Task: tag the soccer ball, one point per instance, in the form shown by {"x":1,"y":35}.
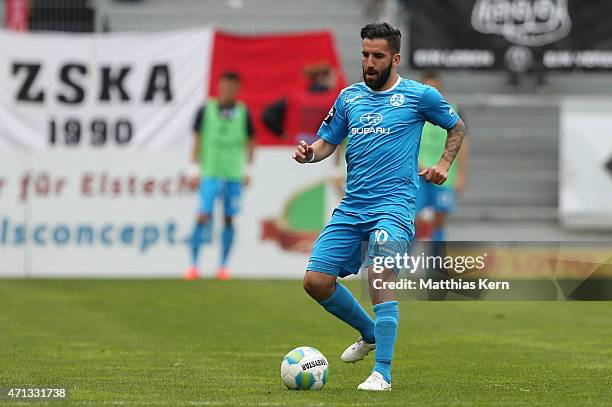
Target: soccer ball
{"x":304,"y":368}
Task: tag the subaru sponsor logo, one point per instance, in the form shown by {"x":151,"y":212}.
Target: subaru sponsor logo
{"x":371,"y":119}
{"x":371,"y":130}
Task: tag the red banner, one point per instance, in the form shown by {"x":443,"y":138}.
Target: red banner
{"x":272,"y":67}
{"x":304,"y":113}
{"x":17,"y":15}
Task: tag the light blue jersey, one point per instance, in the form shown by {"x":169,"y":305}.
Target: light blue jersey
{"x":384,"y":134}
{"x":384,"y":131}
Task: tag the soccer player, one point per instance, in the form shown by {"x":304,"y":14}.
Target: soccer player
{"x":440,"y":198}
{"x":223,"y":143}
{"x":383,"y":118}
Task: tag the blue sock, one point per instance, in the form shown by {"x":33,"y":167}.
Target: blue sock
{"x":438,"y":235}
{"x":201,"y":234}
{"x":227,"y":239}
{"x":343,"y":305}
{"x":206,"y":235}
{"x":196,"y":242}
{"x":385,"y":329}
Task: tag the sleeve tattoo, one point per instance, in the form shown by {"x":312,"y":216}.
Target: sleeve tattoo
{"x":454,"y":138}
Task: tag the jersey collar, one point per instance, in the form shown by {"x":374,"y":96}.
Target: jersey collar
{"x":395,"y":85}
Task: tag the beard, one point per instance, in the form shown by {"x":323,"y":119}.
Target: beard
{"x":381,"y":79}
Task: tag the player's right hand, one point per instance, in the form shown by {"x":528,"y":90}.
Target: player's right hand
{"x":303,"y":152}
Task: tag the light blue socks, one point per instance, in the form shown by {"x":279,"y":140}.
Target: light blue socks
{"x":201,"y":234}
{"x":227,"y":240}
{"x":385,"y":330}
{"x":343,"y":305}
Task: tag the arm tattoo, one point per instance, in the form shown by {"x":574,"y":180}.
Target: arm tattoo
{"x":454,"y":139}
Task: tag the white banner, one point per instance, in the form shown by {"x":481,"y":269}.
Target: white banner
{"x":95,"y":132}
{"x":131,"y":214}
{"x":586,"y":163}
{"x":131,"y":91}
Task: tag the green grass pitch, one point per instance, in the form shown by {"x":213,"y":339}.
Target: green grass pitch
{"x":211,"y":343}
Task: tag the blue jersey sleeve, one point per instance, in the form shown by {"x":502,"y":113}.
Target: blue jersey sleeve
{"x":436,"y":110}
{"x":334,"y":126}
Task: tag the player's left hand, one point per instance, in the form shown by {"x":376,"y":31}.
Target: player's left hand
{"x":436,"y":174}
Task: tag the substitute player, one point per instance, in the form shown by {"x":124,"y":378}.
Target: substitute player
{"x":383,"y":118}
{"x":440,"y":198}
{"x":223,"y":143}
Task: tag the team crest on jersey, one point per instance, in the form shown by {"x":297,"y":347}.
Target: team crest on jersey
{"x":330,"y":115}
{"x":451,"y":111}
{"x":397,"y":99}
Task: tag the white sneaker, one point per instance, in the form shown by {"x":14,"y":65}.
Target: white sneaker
{"x":357,"y":351}
{"x":376,"y":382}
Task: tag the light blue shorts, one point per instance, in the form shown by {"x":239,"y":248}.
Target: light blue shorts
{"x":229,"y":191}
{"x":351,"y":241}
{"x":437,"y":197}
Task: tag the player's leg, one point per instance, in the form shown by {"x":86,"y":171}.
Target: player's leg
{"x":387,"y":239}
{"x":423,"y":202}
{"x":385,"y":329}
{"x":227,"y":240}
{"x":199,"y":236}
{"x":340,"y":302}
{"x":443,"y":202}
{"x":336,"y":251}
{"x":439,"y":227}
{"x":320,"y":286}
{"x":202,"y":230}
{"x":232,"y":191}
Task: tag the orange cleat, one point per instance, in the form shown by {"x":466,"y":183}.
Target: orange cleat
{"x":223,"y":273}
{"x":192,"y":273}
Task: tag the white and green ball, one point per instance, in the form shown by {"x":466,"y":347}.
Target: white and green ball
{"x":304,"y":368}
